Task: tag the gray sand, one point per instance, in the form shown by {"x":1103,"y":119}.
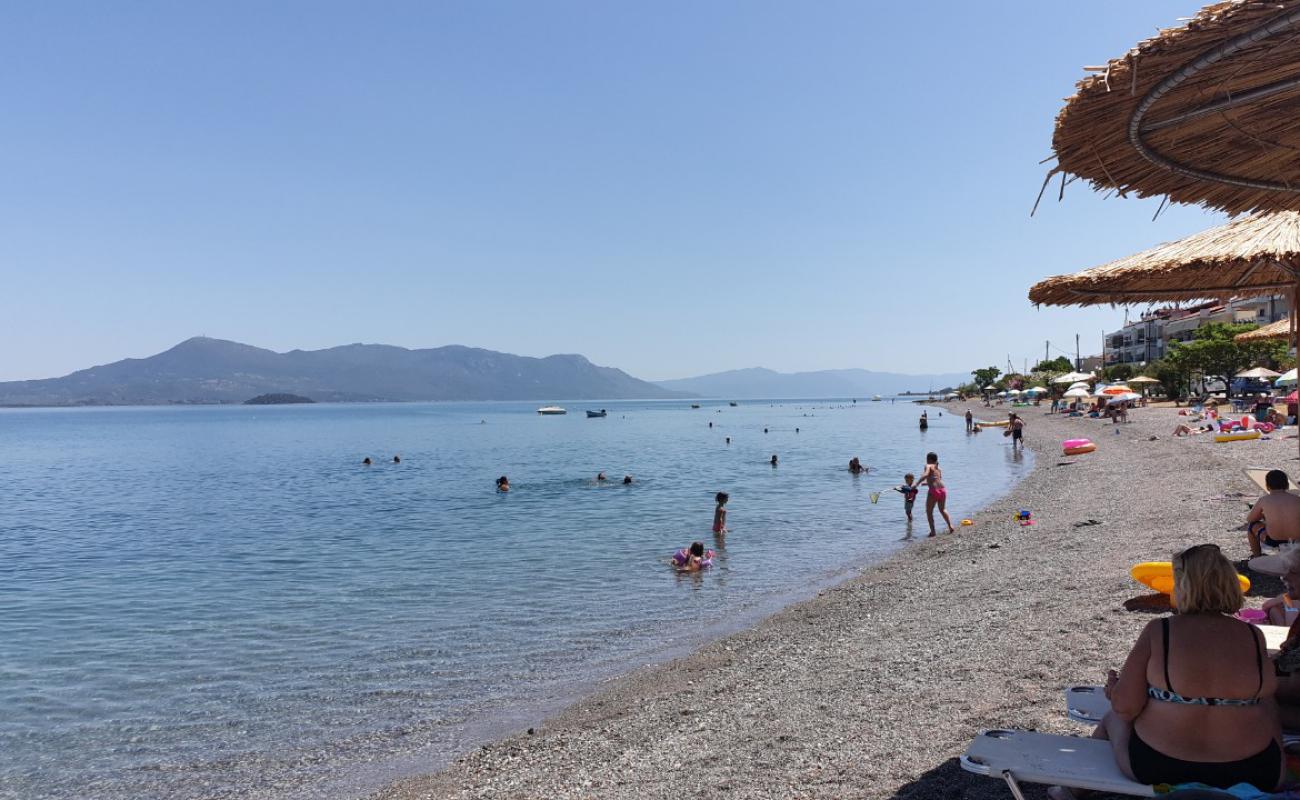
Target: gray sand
{"x":873,"y":687}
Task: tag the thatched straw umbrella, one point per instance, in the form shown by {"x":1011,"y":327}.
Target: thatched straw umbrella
{"x":1204,"y":113}
{"x":1277,"y":330}
{"x":1251,"y":256}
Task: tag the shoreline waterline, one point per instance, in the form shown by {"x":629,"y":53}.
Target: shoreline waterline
{"x":874,"y":686}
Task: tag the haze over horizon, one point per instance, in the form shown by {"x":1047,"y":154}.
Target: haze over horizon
{"x":672,"y":190}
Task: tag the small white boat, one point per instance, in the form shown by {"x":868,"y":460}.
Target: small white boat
{"x":875,"y":398}
{"x":550,"y":410}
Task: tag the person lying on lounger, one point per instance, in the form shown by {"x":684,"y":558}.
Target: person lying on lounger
{"x":1194,"y":700}
{"x":1275,"y":517}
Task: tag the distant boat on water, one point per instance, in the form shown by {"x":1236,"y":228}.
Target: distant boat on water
{"x":695,"y":405}
{"x":733,"y":404}
{"x":875,"y":398}
{"x":596,"y":414}
{"x":551,"y":410}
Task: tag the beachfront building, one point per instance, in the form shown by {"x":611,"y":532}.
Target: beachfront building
{"x":1146,"y":339}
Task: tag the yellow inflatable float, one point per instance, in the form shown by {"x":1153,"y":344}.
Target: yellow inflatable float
{"x":1237,"y":437}
{"x":1159,"y":575}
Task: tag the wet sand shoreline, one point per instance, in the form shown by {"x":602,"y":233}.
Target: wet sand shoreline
{"x":873,"y":687}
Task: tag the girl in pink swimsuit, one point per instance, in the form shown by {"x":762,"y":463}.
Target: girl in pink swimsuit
{"x":936,"y":494}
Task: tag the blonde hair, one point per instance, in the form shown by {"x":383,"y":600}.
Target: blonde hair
{"x":1205,"y":582}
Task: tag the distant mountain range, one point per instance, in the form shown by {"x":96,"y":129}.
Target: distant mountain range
{"x":758,"y":382}
{"x":203,"y":370}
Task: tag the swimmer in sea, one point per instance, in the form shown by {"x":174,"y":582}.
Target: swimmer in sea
{"x":728,"y":440}
{"x":691,"y":559}
{"x":600,"y":477}
{"x":503,"y":484}
{"x":397,"y":459}
{"x":720,"y":514}
{"x":627,"y":479}
{"x":366,"y":461}
{"x":773,"y":461}
{"x":936,"y":493}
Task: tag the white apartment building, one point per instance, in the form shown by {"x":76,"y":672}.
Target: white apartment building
{"x":1146,"y":339}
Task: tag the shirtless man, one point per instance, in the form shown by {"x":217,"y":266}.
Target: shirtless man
{"x":1275,"y":518}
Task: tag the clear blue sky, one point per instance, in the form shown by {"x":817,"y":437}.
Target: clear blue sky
{"x":671,"y":187}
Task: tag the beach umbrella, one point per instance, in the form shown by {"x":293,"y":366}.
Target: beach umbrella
{"x":1079,"y":385}
{"x":1142,"y":379}
{"x":1258,"y":372}
{"x":1115,"y":390}
{"x":1277,"y":330}
{"x":1038,"y":390}
{"x":1014,"y":392}
{"x":1203,"y":113}
{"x":1002,"y":394}
{"x":1127,"y":397}
{"x":1286,"y":379}
{"x":1074,"y":377}
{"x":1072,"y":393}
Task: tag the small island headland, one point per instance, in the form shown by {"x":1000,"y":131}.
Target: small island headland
{"x":277,"y":399}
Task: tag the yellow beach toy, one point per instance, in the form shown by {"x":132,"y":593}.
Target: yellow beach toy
{"x":1159,"y":575}
{"x":1242,"y":436}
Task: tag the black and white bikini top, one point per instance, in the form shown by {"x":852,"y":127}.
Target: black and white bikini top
{"x":1168,"y":695}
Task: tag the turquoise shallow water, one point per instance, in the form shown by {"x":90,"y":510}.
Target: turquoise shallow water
{"x":202,"y":602}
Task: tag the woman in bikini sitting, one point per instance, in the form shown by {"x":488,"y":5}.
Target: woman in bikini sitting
{"x":1194,"y":700}
{"x":936,"y":494}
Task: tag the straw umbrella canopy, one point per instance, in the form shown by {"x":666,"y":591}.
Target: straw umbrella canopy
{"x":1203,"y":113}
{"x":1277,"y":330}
{"x":1250,"y":256}
{"x":1258,"y":372}
{"x":1142,"y":379}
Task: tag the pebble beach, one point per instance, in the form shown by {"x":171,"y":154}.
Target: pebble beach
{"x":874,"y":687}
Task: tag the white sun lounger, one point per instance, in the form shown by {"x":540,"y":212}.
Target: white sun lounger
{"x":1256,"y":475}
{"x":1087,"y":704}
{"x":1078,"y":763}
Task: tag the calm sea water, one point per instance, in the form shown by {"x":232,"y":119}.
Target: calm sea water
{"x":203,"y":602}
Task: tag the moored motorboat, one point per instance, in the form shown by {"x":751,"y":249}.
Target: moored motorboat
{"x":695,"y":405}
{"x":733,"y":404}
{"x":551,"y":410}
{"x":596,"y":414}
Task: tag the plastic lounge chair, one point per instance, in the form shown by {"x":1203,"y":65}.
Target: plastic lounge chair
{"x":1086,"y":704}
{"x":1071,"y":761}
{"x":1256,"y":475}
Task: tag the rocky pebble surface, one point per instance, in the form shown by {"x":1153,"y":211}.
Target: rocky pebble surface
{"x":872,"y":688}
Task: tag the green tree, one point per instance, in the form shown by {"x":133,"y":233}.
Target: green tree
{"x":1118,"y":372}
{"x":1215,"y":354}
{"x":986,"y":376}
{"x":1058,"y":364}
{"x":1173,"y":371}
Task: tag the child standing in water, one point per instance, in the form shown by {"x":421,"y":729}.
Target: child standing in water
{"x":720,"y":514}
{"x":909,"y":491}
{"x":936,"y":493}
